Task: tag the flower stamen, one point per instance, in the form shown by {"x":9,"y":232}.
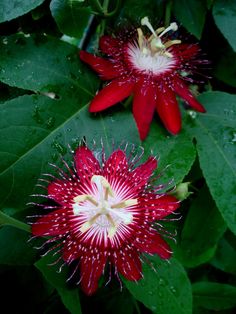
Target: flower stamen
{"x":85,"y":197}
{"x":154,"y":41}
{"x":130,"y":202}
{"x":105,"y":205}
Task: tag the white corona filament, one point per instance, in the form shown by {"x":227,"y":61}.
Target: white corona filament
{"x":103,"y":206}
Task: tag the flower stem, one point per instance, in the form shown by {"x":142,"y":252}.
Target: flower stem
{"x":95,"y":4}
{"x":105,"y":6}
{"x":168,"y":12}
{"x":103,"y":9}
{"x":7,"y":220}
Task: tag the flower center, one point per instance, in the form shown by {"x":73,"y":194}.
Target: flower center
{"x":154,"y":44}
{"x":103,"y":210}
{"x":152,"y":54}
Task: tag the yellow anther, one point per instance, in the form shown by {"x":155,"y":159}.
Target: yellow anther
{"x":85,"y":197}
{"x":159,"y":30}
{"x":123,"y":204}
{"x":169,"y":43}
{"x":85,"y":227}
{"x":140,"y":37}
{"x":168,"y":54}
{"x":111,"y":232}
{"x":89,"y":223}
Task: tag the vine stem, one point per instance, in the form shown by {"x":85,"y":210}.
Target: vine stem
{"x":7,"y":220}
{"x":105,"y":6}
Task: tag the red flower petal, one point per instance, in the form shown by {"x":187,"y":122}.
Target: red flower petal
{"x":91,"y":269}
{"x":111,"y":94}
{"x":168,"y":110}
{"x":160,"y":207}
{"x":116,"y":166}
{"x":142,"y":173}
{"x":153,"y":244}
{"x":186,"y":51}
{"x":104,"y":68}
{"x":71,"y":250}
{"x":182,"y":90}
{"x":108,"y":45}
{"x":51,"y":224}
{"x":143,"y":107}
{"x":58,"y":189}
{"x":129,"y":265}
{"x":86,"y":164}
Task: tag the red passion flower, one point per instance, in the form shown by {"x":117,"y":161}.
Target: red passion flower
{"x":105,"y":214}
{"x":153,"y":69}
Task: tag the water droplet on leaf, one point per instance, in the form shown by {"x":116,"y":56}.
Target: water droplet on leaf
{"x":50,"y":122}
{"x":192,"y":114}
{"x":36,"y":115}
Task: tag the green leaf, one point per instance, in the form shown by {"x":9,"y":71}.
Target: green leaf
{"x":71,"y":16}
{"x":214,"y":296}
{"x":167,"y":290}
{"x":225,"y":68}
{"x":14,"y":8}
{"x":216,"y":145}
{"x":203,"y":227}
{"x":225,"y":257}
{"x":117,"y":302}
{"x":224,"y":12}
{"x":36,"y":129}
{"x":176,"y":153}
{"x":15,"y":248}
{"x":135,"y":10}
{"x":69,"y":297}
{"x":192,"y":14}
{"x":44,"y":64}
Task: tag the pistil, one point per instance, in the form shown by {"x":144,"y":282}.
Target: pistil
{"x":154,"y":44}
{"x":104,"y":206}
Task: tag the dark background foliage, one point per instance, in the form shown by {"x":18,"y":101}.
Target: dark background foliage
{"x":44,"y":95}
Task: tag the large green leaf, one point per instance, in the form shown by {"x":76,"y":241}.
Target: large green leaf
{"x":15,"y":248}
{"x":135,"y":10}
{"x":167,"y":290}
{"x":225,"y":257}
{"x":191,"y":13}
{"x":216,"y":145}
{"x":214,"y":296}
{"x":224,"y":12}
{"x":69,"y":297}
{"x":71,"y":16}
{"x":14,"y":8}
{"x":35,"y":129}
{"x":40,"y":63}
{"x":176,"y":153}
{"x":225,"y":68}
{"x":203,"y":227}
